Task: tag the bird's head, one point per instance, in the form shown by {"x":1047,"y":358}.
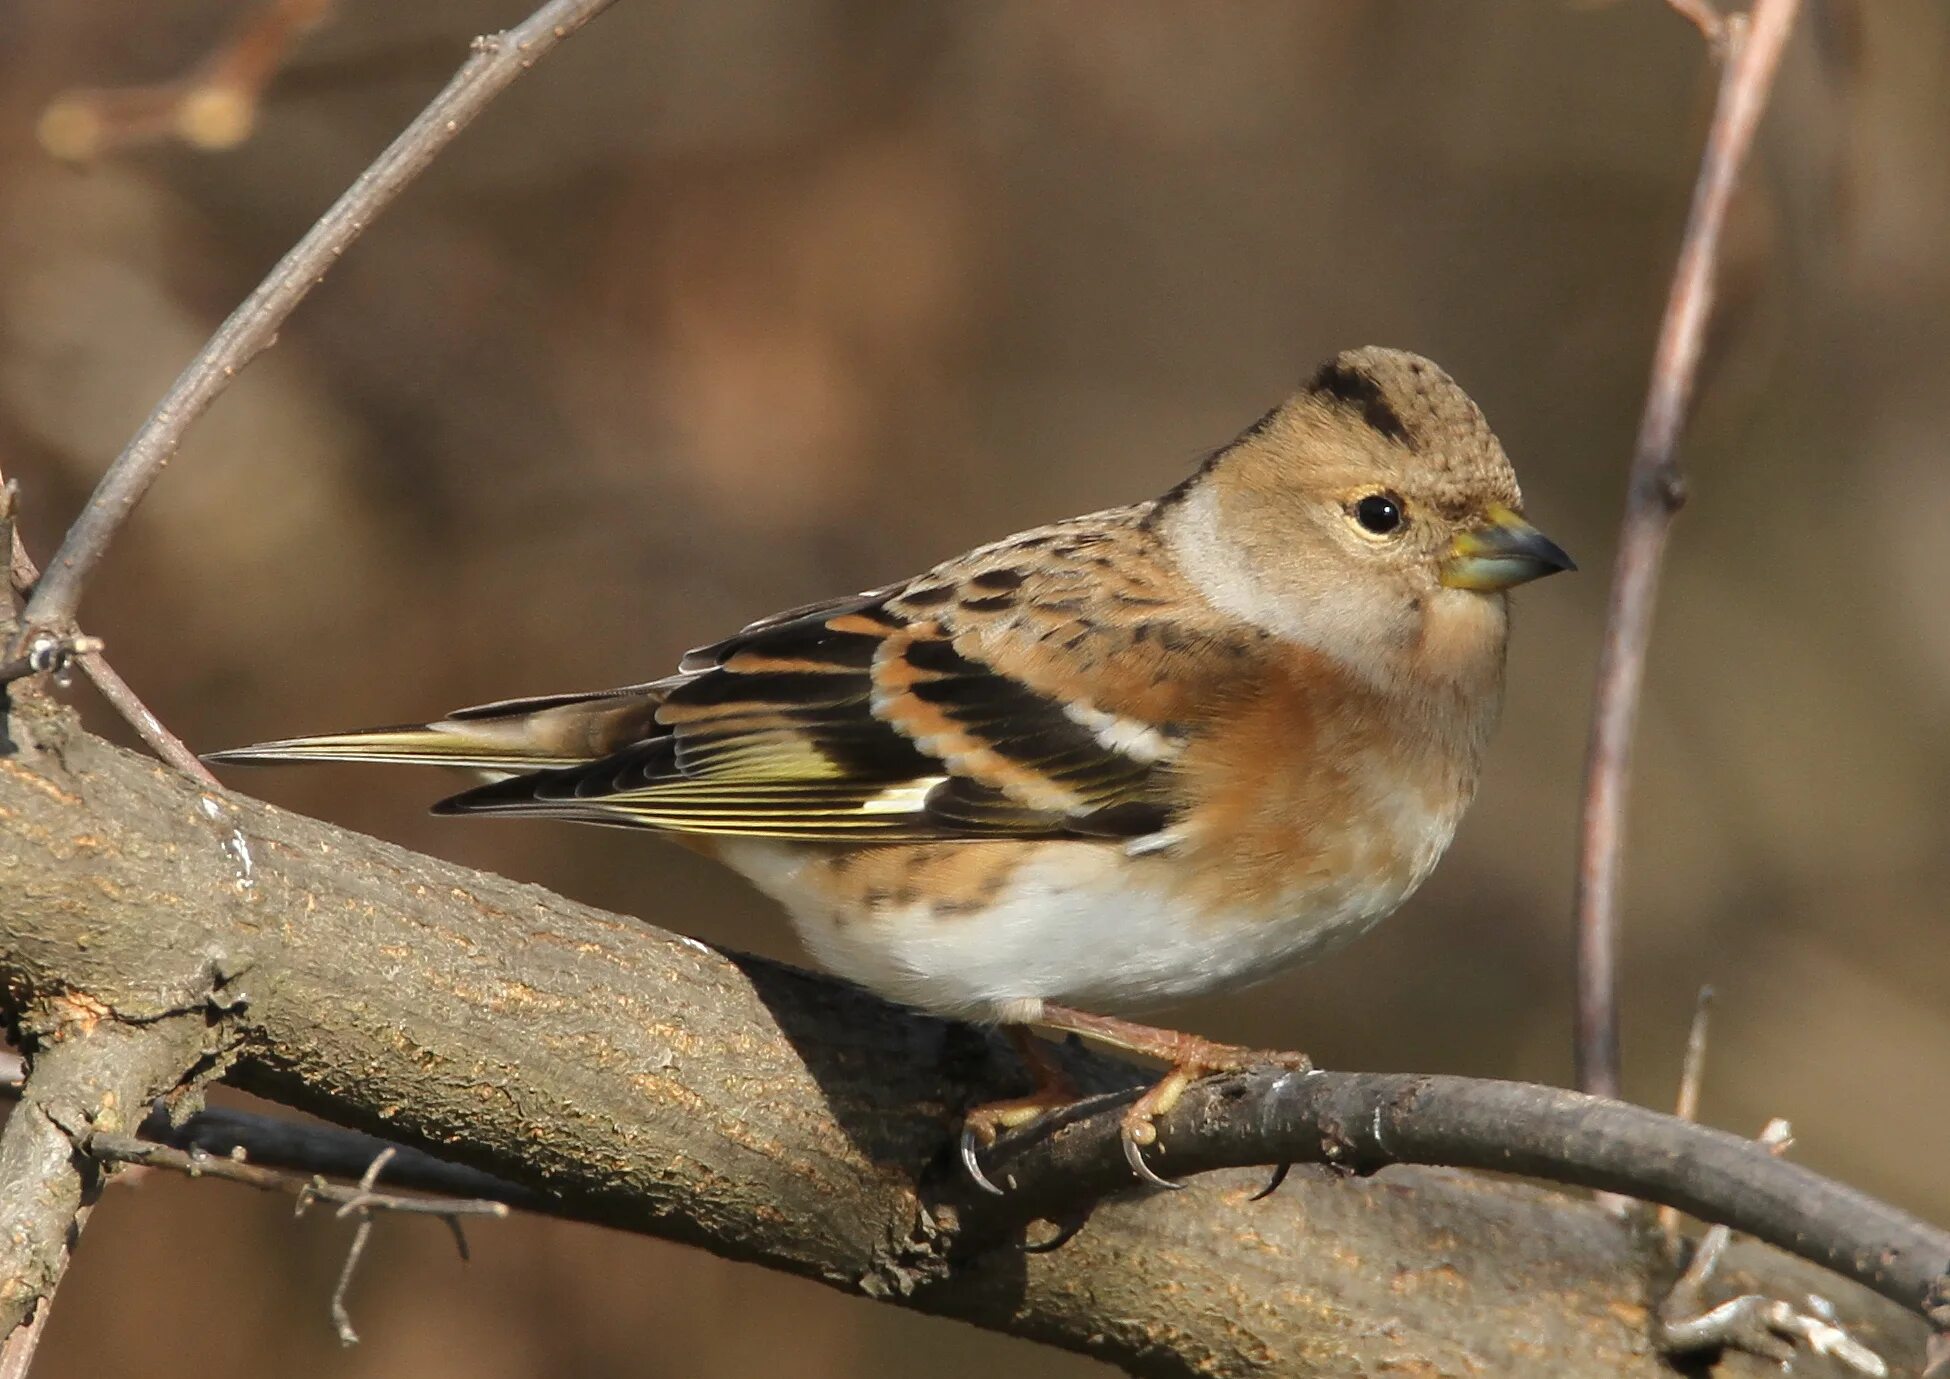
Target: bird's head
{"x":1372,"y":516}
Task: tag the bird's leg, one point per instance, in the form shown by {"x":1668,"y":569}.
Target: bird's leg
{"x":1053,"y":1088}
{"x":1188,"y":1057}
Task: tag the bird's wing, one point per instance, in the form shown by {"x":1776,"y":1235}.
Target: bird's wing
{"x":1036,"y":687}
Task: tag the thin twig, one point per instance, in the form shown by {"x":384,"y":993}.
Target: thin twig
{"x":362,"y":1199}
{"x":312,"y":1149}
{"x":1692,"y":1075}
{"x":214,"y":106}
{"x":1760,"y":1325}
{"x":341,"y":1318}
{"x":142,"y":718}
{"x":1654,"y":493}
{"x":47,"y":654}
{"x":196,"y":1163}
{"x":23,"y":575}
{"x":1702,"y":15}
{"x":496,"y":62}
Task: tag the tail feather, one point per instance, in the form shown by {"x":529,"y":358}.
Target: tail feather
{"x":430,"y":744}
{"x":516,"y":735}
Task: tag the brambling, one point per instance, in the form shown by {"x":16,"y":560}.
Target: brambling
{"x":1098,"y":766}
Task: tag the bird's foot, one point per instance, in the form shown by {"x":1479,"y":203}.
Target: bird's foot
{"x":982,"y":1124}
{"x":1190,"y":1058}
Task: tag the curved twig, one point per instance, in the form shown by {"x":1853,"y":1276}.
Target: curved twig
{"x":253,"y":327}
{"x":1362,"y":1122}
{"x":1751,"y":46}
{"x":1358,"y":1122}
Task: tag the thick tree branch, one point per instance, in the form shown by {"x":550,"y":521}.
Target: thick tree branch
{"x":1750,"y":47}
{"x":252,"y":328}
{"x":646,"y":1082}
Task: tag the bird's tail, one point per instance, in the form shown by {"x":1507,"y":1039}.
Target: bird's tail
{"x":515,"y":735}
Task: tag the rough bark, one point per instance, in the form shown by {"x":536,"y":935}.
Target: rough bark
{"x":649,"y":1083}
{"x":92,"y":1072}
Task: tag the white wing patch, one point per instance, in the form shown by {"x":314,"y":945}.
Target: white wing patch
{"x":906,"y":798}
{"x":1129,"y":737}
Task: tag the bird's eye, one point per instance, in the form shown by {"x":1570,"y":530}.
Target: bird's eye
{"x":1379,"y":513}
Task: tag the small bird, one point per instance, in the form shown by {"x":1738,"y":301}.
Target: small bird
{"x":1098,"y":766}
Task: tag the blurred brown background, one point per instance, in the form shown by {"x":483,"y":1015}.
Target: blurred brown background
{"x":737,"y":303}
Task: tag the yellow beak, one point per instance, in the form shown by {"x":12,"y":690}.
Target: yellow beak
{"x":1506,"y":552}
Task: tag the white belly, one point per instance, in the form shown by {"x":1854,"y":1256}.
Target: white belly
{"x":1083,"y":925}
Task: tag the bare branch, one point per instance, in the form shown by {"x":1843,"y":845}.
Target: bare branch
{"x":362,"y":1200}
{"x":213,"y":107}
{"x":47,"y":654}
{"x":1692,"y":1076}
{"x":1753,"y":1322}
{"x":496,"y":62}
{"x":1655,"y":491}
{"x":198,"y":1163}
{"x":152,"y":730}
{"x":90,"y":1071}
{"x":22,"y":575}
{"x":1692,"y":1072}
{"x":1362,"y":1122}
{"x":1704,"y":16}
{"x":331,"y":1151}
{"x":644,"y":1081}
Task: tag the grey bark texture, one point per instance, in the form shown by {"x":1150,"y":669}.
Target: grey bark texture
{"x":649,"y":1083}
{"x":93,"y":1071}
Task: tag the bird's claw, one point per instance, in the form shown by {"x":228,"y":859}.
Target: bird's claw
{"x":971,"y":1162}
{"x":1135,"y":1136}
{"x":1272,"y":1184}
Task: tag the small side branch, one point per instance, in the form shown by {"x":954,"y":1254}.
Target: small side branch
{"x":197,"y":1163}
{"x":92,"y":1074}
{"x":496,"y":62}
{"x":1704,"y":16}
{"x":46,"y":652}
{"x":312,"y":1150}
{"x":1752,"y":46}
{"x":212,"y":107}
{"x":361,"y":1200}
{"x":1760,"y":1325}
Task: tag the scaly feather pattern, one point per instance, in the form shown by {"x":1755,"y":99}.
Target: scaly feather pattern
{"x":946,"y":707}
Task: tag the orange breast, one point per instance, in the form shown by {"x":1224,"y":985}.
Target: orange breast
{"x":1311,"y":780}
